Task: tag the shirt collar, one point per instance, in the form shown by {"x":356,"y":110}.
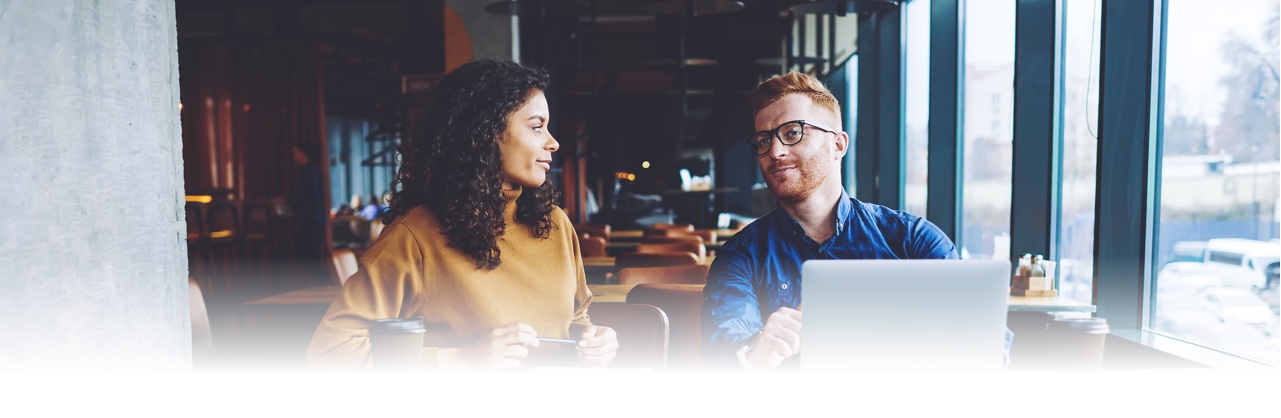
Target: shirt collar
{"x":844,"y":207}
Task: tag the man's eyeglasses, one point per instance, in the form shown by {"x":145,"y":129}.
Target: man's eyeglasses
{"x":789,"y":133}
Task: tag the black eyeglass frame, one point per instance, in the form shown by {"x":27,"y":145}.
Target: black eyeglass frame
{"x":774,"y":135}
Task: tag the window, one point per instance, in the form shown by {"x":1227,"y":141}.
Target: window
{"x":355,"y":166}
{"x":1079,"y":150}
{"x":989,"y":123}
{"x":917,"y":105}
{"x":1221,"y":157}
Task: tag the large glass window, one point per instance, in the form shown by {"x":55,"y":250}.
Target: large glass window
{"x":1218,"y":248}
{"x":356,"y":167}
{"x":989,"y":128}
{"x":1079,"y":152}
{"x":917,"y":106}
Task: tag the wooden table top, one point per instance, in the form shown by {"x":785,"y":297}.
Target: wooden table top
{"x":637,"y":234}
{"x":608,"y":262}
{"x":617,"y":293}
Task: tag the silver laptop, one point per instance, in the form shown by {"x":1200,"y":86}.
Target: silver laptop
{"x":926,"y":315}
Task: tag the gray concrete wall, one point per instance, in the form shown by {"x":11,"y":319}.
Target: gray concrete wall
{"x":92,"y":254}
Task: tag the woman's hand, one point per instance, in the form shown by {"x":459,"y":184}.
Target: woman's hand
{"x":503,"y":348}
{"x":598,"y":346}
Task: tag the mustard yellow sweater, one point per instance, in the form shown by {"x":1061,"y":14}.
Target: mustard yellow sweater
{"x":411,"y":270}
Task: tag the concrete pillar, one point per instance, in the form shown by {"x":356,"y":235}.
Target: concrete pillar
{"x":93,"y":261}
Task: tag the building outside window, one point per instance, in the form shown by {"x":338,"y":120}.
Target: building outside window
{"x":989,"y":128}
{"x":1217,"y":253}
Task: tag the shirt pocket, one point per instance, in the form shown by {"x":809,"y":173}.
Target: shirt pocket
{"x":780,"y":294}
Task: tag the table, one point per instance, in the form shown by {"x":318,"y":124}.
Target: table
{"x":623,"y":247}
{"x":635,"y":235}
{"x":598,"y":269}
{"x":617,"y":293}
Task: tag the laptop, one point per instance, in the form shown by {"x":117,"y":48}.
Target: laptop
{"x":924,"y":315}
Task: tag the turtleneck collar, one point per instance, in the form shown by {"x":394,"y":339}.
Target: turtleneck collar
{"x":509,"y":212}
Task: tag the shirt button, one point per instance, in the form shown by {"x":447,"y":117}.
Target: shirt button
{"x":784,"y":286}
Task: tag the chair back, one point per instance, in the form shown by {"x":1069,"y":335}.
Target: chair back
{"x":345,"y":265}
{"x":696,"y":274}
{"x":708,"y":235}
{"x":223,"y":221}
{"x":683,"y":304}
{"x":595,"y":230}
{"x":375,"y":230}
{"x":196,"y":231}
{"x":673,"y":226}
{"x":201,"y":332}
{"x":592,"y":246}
{"x":642,"y":333}
{"x":627,"y":260}
{"x":689,"y":246}
{"x":360,"y":230}
{"x":651,"y":232}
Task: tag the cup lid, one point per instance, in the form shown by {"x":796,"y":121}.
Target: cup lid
{"x":1083,"y":324}
{"x":397,"y":325}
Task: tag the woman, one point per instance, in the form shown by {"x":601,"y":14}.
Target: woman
{"x":475,"y":244}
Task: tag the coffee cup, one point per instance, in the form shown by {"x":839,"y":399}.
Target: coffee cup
{"x":1077,"y":343}
{"x":397,"y":343}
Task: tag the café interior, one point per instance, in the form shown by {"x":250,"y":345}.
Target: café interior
{"x":1054,"y":129}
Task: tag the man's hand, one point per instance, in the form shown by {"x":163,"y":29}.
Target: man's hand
{"x":505,"y":347}
{"x":779,"y":339}
{"x":598,"y":346}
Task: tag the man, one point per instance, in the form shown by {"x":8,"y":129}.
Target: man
{"x":751,"y":305}
{"x":307,"y":204}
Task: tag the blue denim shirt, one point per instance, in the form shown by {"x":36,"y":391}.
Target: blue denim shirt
{"x":759,"y":269}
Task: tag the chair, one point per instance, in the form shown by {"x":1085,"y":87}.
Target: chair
{"x":708,"y":235}
{"x":642,"y":333}
{"x":375,"y":230}
{"x":592,"y":246}
{"x":595,"y":230}
{"x":696,"y":274}
{"x":201,"y":333}
{"x":360,"y":231}
{"x":197,"y":233}
{"x":341,"y":232}
{"x":627,"y":260}
{"x":689,"y":246}
{"x":222,"y":221}
{"x":683,"y":304}
{"x":258,"y":225}
{"x":651,"y":232}
{"x":673,"y":226}
{"x":345,"y":265}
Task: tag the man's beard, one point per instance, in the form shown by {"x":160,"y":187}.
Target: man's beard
{"x":811,"y":174}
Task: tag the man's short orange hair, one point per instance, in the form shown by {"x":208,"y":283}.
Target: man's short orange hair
{"x":770,"y":91}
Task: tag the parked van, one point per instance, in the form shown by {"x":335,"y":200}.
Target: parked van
{"x":1242,"y":263}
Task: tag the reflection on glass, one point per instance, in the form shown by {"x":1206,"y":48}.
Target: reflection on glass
{"x":917,"y":106}
{"x":1218,"y":252}
{"x":1080,"y":148}
{"x":989,"y":124}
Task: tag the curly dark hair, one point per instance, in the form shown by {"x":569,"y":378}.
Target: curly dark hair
{"x":453,"y":165}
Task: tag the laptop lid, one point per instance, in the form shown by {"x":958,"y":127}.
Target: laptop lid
{"x":926,"y":315}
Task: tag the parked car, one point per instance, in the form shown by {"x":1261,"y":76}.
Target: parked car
{"x":1184,"y":279}
{"x":1232,"y":305}
{"x":1241,"y":263}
